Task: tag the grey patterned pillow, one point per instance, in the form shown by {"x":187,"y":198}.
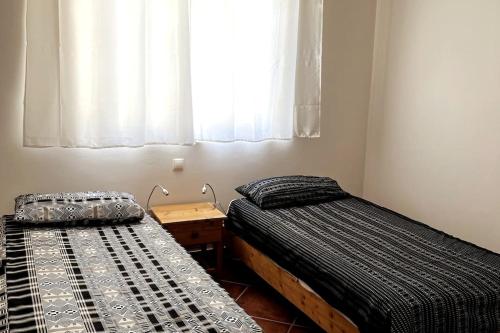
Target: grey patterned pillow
{"x":287,"y":191}
{"x":78,"y":207}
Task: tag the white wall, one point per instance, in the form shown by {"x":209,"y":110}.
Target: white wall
{"x":339,"y":153}
{"x":433,"y":144}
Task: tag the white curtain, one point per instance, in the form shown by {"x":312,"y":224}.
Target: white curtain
{"x":134,"y":72}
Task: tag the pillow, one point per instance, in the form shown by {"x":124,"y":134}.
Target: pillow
{"x":81,"y":207}
{"x":287,"y":191}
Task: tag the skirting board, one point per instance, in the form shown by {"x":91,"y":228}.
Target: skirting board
{"x":326,"y":316}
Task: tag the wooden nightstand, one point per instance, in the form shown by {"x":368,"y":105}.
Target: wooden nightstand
{"x":193,"y":224}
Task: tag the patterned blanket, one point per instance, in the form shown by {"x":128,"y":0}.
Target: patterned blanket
{"x":114,"y":278}
{"x":385,"y":271}
{"x":3,"y":295}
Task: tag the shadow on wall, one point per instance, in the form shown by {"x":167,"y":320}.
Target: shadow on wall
{"x":12,"y":32}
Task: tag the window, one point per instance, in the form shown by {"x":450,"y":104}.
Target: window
{"x":134,"y":72}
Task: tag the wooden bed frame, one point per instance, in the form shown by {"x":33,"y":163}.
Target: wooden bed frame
{"x":326,"y":316}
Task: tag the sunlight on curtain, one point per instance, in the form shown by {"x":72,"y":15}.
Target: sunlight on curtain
{"x":129,"y":72}
{"x":123,"y":75}
{"x":243,"y":65}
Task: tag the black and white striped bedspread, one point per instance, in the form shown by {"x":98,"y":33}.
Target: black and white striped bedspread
{"x":114,"y":278}
{"x":385,"y":271}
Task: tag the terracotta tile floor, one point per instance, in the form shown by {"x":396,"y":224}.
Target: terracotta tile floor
{"x":267,"y":307}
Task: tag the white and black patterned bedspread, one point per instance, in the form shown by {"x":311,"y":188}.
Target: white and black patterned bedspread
{"x":113,"y":278}
{"x":3,"y":295}
{"x":385,"y":271}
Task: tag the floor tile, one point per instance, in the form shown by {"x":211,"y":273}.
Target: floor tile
{"x":233,"y":269}
{"x":233,"y":289}
{"x":236,"y":271}
{"x":303,"y":320}
{"x":264,"y":302}
{"x":305,"y":324}
{"x":299,"y":329}
{"x":272,"y":326}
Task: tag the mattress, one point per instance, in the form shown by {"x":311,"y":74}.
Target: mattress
{"x":385,"y":271}
{"x":110,"y":278}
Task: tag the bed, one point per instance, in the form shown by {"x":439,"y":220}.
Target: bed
{"x":123,"y":277}
{"x":353,"y":266}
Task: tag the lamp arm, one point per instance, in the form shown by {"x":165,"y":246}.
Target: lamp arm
{"x":213,"y":193}
{"x":164,"y":190}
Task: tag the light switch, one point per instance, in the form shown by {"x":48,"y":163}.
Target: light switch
{"x":178,"y":164}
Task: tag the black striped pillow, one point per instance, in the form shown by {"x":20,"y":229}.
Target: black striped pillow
{"x":288,"y":191}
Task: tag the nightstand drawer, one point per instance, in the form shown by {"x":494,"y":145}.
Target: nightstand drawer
{"x":191,"y":233}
